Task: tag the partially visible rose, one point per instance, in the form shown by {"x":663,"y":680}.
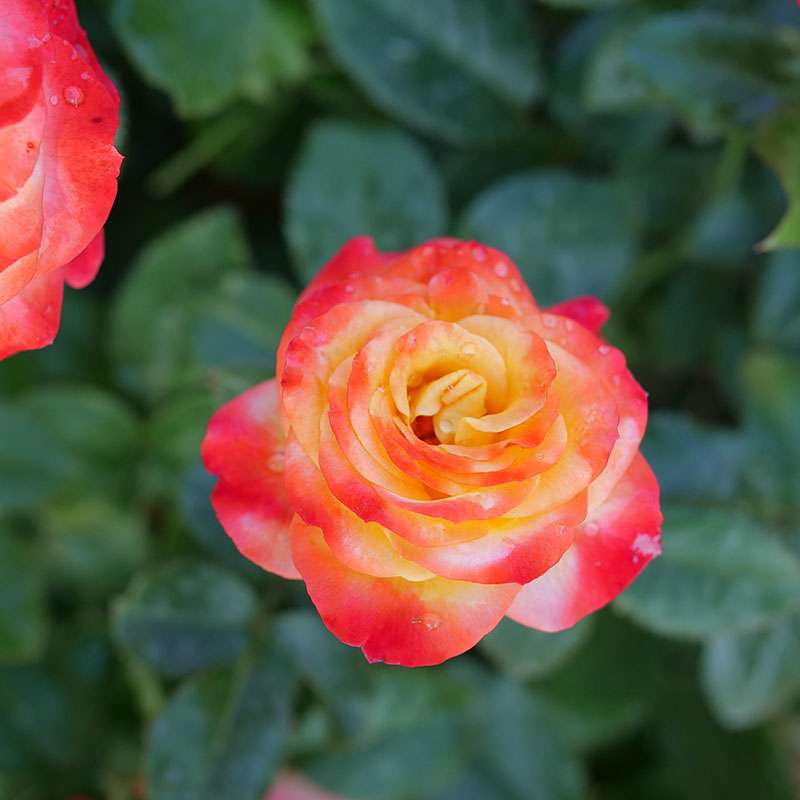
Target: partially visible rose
{"x":437,"y":452}
{"x":292,"y":786}
{"x":58,"y":166}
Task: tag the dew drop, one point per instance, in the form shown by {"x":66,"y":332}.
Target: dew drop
{"x":468,"y":349}
{"x":501,"y":269}
{"x":446,"y":426}
{"x":73,"y":96}
{"x":276,"y":462}
{"x":604,"y":349}
{"x":85,"y":76}
{"x":47,"y":37}
{"x":479,"y":254}
{"x":53,"y":100}
{"x":591,"y":528}
{"x":486,"y":502}
{"x":570,"y":325}
{"x":617,"y":380}
{"x":430,"y":621}
{"x":515,"y":285}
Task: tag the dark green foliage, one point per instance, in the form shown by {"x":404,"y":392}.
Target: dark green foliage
{"x":644,"y":151}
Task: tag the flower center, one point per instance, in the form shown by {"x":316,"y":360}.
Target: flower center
{"x":444,"y":402}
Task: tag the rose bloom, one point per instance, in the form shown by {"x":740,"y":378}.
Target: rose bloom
{"x":58,"y":166}
{"x":437,"y":452}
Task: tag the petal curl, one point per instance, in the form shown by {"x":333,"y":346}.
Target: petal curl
{"x":586,"y":310}
{"x":611,"y":548}
{"x":244,"y":447}
{"x":412,"y":623}
{"x":30,"y":320}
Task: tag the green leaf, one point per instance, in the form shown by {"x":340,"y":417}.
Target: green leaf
{"x":223,"y":733}
{"x":585,"y":4}
{"x":378,"y":769}
{"x":597,"y":698}
{"x":195,"y":503}
{"x":569,"y":235}
{"x":96,"y":428}
{"x":749,"y":677}
{"x":461,"y":70}
{"x":779,"y":145}
{"x":38,"y":726}
{"x":185,"y":616}
{"x":525,"y":653}
{"x":720,"y":571}
{"x":353,"y":180}
{"x":694,"y":461}
{"x":522,"y":749}
{"x":202,"y":52}
{"x":92,"y":547}
{"x":33,"y":465}
{"x":772,"y":388}
{"x":241,"y":329}
{"x":180,"y":273}
{"x":173,"y":436}
{"x":23,"y":612}
{"x":776,"y":308}
{"x":711,"y":69}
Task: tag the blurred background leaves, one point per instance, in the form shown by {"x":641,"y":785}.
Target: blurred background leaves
{"x":647,"y":151}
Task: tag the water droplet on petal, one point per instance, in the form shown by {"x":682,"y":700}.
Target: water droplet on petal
{"x":430,"y":621}
{"x":515,"y":285}
{"x":85,"y":76}
{"x":73,"y":96}
{"x":468,"y":349}
{"x":570,"y":325}
{"x":53,"y":100}
{"x":604,"y":349}
{"x":446,"y":426}
{"x":47,"y":37}
{"x":501,"y":269}
{"x":591,"y":528}
{"x":486,"y":502}
{"x":479,"y":254}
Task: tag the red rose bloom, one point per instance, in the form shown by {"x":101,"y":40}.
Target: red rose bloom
{"x":437,"y":452}
{"x":58,"y":166}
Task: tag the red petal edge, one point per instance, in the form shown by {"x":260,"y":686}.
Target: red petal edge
{"x":244,"y":447}
{"x":411,"y":623}
{"x":611,"y":548}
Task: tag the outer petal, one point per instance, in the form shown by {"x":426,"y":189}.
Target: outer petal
{"x":81,"y":271}
{"x":291,"y":786}
{"x":413,"y":623}
{"x":244,"y":446}
{"x":30,"y":320}
{"x":611,"y":548}
{"x":589,"y":311}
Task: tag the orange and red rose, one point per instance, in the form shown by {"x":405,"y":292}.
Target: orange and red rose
{"x":437,"y":452}
{"x":58,"y":166}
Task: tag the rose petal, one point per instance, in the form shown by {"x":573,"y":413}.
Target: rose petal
{"x":82,"y":270}
{"x":244,"y":447}
{"x":30,"y":320}
{"x":413,"y":623}
{"x":587,"y":310}
{"x":611,"y":548}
